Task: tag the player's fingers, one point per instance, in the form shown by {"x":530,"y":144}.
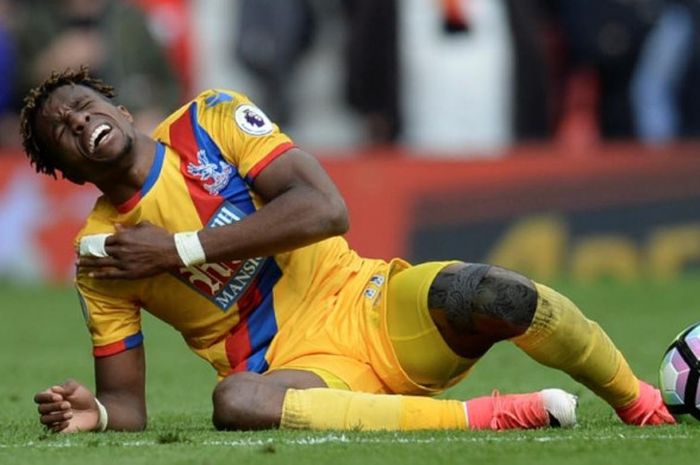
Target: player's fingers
{"x":98,"y":262}
{"x":55,"y":417}
{"x":112,"y":239}
{"x":65,"y":389}
{"x":103,"y":273}
{"x":47,"y":396}
{"x":109,"y":273}
{"x":58,"y":427}
{"x":68,"y":387}
{"x":58,"y":389}
{"x":53,"y":407}
{"x":71,"y":384}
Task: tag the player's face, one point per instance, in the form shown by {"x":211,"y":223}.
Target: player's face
{"x":83,"y":130}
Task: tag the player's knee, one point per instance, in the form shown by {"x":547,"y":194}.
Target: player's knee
{"x":229,"y":404}
{"x":508,"y":296}
{"x":485,"y":299}
{"x":238,"y":404}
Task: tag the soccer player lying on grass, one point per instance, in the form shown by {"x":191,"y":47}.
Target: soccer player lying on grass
{"x":221,"y":227}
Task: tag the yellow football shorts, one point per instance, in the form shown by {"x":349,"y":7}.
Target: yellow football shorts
{"x":386,"y":345}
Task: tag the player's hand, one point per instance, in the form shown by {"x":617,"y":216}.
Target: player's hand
{"x":135,"y":252}
{"x":67,"y":408}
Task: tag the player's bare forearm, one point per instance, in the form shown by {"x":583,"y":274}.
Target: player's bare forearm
{"x":125,"y":412}
{"x":120,"y":381}
{"x":70,"y":407}
{"x":302,"y":206}
{"x":133,"y":252}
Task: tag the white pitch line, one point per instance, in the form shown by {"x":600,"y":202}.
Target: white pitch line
{"x":344,"y":439}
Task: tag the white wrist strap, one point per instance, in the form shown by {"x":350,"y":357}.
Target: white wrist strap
{"x":103,"y":417}
{"x":189,"y":248}
{"x":93,"y":245}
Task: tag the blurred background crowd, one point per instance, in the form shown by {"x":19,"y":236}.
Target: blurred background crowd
{"x":540,"y":135}
{"x":457,"y":77}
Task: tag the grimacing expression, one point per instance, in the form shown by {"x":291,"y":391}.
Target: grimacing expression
{"x":83,"y":130}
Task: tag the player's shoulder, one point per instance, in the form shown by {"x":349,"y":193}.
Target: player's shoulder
{"x":216,"y":99}
{"x":100,"y":220}
{"x":210,"y":103}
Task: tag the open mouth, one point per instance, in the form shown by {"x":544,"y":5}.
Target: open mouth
{"x":97,"y":136}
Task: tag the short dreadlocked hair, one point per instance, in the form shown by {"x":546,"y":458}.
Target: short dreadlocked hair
{"x":36,"y":97}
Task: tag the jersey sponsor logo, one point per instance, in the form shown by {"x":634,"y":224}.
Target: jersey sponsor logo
{"x":252,"y":120}
{"x":206,"y":170}
{"x":222,"y":283}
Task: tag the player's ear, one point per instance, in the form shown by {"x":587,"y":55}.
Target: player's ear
{"x":122,"y":109}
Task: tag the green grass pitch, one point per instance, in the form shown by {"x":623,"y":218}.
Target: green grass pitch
{"x":43,"y":341}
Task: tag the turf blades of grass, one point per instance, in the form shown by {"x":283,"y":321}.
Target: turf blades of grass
{"x":44,"y":341}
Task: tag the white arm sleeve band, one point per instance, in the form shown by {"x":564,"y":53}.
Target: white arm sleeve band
{"x":93,"y":245}
{"x":103,"y":418}
{"x":189,"y":248}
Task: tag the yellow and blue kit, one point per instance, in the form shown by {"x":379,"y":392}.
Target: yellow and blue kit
{"x":319,"y":307}
{"x":360,"y":324}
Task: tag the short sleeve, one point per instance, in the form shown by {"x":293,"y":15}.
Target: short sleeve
{"x":114,"y":321}
{"x":246,"y":136}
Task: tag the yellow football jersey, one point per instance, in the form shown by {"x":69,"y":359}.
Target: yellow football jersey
{"x":209,"y":152}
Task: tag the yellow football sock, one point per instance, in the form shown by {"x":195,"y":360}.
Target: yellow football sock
{"x":561,"y":337}
{"x":323,"y":408}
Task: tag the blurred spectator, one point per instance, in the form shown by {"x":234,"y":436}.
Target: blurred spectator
{"x":110,"y":36}
{"x":7,"y":56}
{"x":7,"y":72}
{"x":690,"y":91}
{"x":532,"y":109}
{"x":457,"y":76}
{"x":607,"y":40}
{"x":271,"y":38}
{"x":372,"y":65}
{"x":664,"y":76}
{"x":171,"y":23}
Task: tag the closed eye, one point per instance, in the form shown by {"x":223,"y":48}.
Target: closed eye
{"x":59,"y":129}
{"x":80,"y":103}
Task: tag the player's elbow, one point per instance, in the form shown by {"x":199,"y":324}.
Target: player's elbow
{"x":335,"y":217}
{"x":139,"y":424}
{"x":134,"y":427}
{"x":126,"y":416}
{"x":134,"y":423}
